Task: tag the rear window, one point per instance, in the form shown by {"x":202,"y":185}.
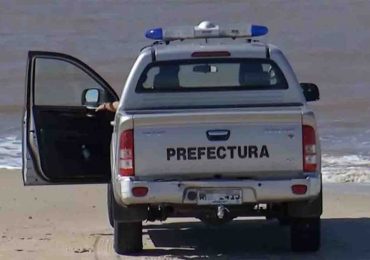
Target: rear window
{"x":211,"y":75}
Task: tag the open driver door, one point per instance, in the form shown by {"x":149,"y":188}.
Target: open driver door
{"x":64,"y":140}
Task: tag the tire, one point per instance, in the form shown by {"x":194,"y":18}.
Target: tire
{"x":128,"y":237}
{"x":110,"y":204}
{"x":305,"y":234}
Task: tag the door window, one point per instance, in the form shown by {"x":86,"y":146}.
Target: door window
{"x":60,"y":83}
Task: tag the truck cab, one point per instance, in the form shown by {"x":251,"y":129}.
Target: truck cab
{"x":207,"y":130}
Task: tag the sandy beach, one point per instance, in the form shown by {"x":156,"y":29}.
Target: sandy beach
{"x":61,"y":222}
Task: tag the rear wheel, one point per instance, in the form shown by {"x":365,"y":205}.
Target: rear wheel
{"x":305,"y":234}
{"x":128,"y":237}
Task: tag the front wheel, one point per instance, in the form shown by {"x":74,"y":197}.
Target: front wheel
{"x":305,"y":234}
{"x":128,"y":237}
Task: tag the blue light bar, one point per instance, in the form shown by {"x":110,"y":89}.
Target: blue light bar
{"x":258,"y":30}
{"x":206,"y":30}
{"x":154,"y":34}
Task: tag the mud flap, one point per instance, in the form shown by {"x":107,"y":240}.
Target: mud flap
{"x":132,"y":213}
{"x":306,"y":209}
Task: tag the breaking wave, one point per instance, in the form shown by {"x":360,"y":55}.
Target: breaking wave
{"x":346,"y":168}
{"x":10,"y":152}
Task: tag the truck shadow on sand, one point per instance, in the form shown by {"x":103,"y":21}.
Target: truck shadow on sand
{"x":341,"y":238}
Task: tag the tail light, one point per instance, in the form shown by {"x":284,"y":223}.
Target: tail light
{"x":309,"y":149}
{"x":126,"y":153}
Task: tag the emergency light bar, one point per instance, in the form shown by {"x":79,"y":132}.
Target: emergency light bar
{"x":206,"y":30}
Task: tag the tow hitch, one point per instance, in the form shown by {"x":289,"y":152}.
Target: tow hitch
{"x":221,"y":209}
{"x":159,"y":212}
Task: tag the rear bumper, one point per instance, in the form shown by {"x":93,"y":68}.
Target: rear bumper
{"x":253,"y":191}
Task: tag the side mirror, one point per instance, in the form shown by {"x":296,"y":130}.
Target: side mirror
{"x":91,"y":98}
{"x":310,"y":91}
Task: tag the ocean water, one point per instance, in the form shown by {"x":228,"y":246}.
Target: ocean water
{"x":326,"y":42}
{"x":10,"y":152}
{"x":345,"y":168}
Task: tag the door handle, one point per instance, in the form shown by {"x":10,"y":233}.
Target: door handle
{"x":218,"y":135}
{"x":90,"y":115}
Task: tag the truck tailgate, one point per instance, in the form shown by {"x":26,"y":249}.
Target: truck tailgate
{"x":241,"y":144}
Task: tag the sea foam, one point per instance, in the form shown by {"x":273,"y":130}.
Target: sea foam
{"x":346,"y":168}
{"x":10,"y":152}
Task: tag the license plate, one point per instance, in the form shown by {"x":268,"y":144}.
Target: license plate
{"x":219,"y":197}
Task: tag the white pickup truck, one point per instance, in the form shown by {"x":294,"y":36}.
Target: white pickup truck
{"x":207,"y":130}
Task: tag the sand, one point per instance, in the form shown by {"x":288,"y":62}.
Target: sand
{"x":70,"y":222}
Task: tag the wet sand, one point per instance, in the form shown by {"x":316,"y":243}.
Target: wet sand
{"x":70,"y":222}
